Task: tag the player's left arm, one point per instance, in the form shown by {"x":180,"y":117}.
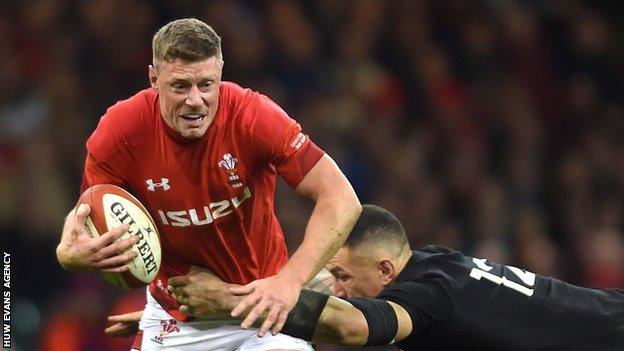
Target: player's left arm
{"x":373,"y":322}
{"x":336,"y":211}
{"x":318,"y":317}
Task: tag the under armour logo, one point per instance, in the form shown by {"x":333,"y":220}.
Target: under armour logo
{"x":164,"y":183}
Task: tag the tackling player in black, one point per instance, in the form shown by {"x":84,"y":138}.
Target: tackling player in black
{"x":439,"y":299}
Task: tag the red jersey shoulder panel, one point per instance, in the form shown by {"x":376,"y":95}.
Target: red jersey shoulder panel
{"x":235,"y":97}
{"x":271,"y":135}
{"x":127,"y":122}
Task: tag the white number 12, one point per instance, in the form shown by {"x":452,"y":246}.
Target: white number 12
{"x":526,"y":277}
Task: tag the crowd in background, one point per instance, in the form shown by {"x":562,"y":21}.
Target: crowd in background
{"x":494,"y":127}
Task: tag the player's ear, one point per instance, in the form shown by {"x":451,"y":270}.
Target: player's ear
{"x":387,"y":270}
{"x":153,"y":76}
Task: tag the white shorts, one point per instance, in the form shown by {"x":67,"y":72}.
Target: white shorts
{"x":162,"y":332}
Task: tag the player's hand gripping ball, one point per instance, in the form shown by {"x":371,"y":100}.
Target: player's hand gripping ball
{"x":111,"y":207}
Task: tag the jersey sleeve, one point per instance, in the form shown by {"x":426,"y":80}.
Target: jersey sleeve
{"x":99,"y":173}
{"x":278,"y":140}
{"x":427,"y":304}
{"x":104,"y":163}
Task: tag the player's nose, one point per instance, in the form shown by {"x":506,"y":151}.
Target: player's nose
{"x":338,"y":290}
{"x":194,"y":98}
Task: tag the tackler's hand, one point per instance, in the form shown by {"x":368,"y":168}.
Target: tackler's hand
{"x":126,"y":324}
{"x":201,"y":293}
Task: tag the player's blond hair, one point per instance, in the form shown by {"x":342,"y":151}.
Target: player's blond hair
{"x":188,"y":39}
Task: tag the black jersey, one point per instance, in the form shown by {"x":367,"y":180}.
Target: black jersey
{"x":458,"y":302}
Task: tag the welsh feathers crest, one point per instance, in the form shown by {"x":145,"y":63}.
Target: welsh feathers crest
{"x":229,"y":164}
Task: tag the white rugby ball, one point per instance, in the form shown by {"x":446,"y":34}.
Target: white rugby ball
{"x":111,"y":207}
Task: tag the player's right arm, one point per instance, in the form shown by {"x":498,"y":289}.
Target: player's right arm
{"x":77,"y":250}
{"x":104,"y":164}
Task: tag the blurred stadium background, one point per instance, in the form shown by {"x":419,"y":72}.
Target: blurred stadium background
{"x":495,"y":127}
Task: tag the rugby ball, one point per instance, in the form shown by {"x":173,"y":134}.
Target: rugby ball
{"x":111,"y":207}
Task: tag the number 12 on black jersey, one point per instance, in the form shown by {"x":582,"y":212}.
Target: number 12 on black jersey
{"x":525,"y":286}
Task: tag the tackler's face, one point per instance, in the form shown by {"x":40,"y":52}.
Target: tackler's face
{"x":355,"y":274}
{"x":188,"y":93}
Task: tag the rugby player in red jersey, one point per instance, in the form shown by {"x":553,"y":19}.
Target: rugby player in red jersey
{"x":202,"y":155}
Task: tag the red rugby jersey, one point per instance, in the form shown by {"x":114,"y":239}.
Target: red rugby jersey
{"x":212,"y":197}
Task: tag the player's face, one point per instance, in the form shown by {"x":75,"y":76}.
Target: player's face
{"x":355,"y":275}
{"x":188,"y":93}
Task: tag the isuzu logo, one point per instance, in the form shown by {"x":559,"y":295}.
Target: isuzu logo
{"x":204,"y":215}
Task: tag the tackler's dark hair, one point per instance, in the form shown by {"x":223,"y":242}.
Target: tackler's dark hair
{"x":376,"y":225}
